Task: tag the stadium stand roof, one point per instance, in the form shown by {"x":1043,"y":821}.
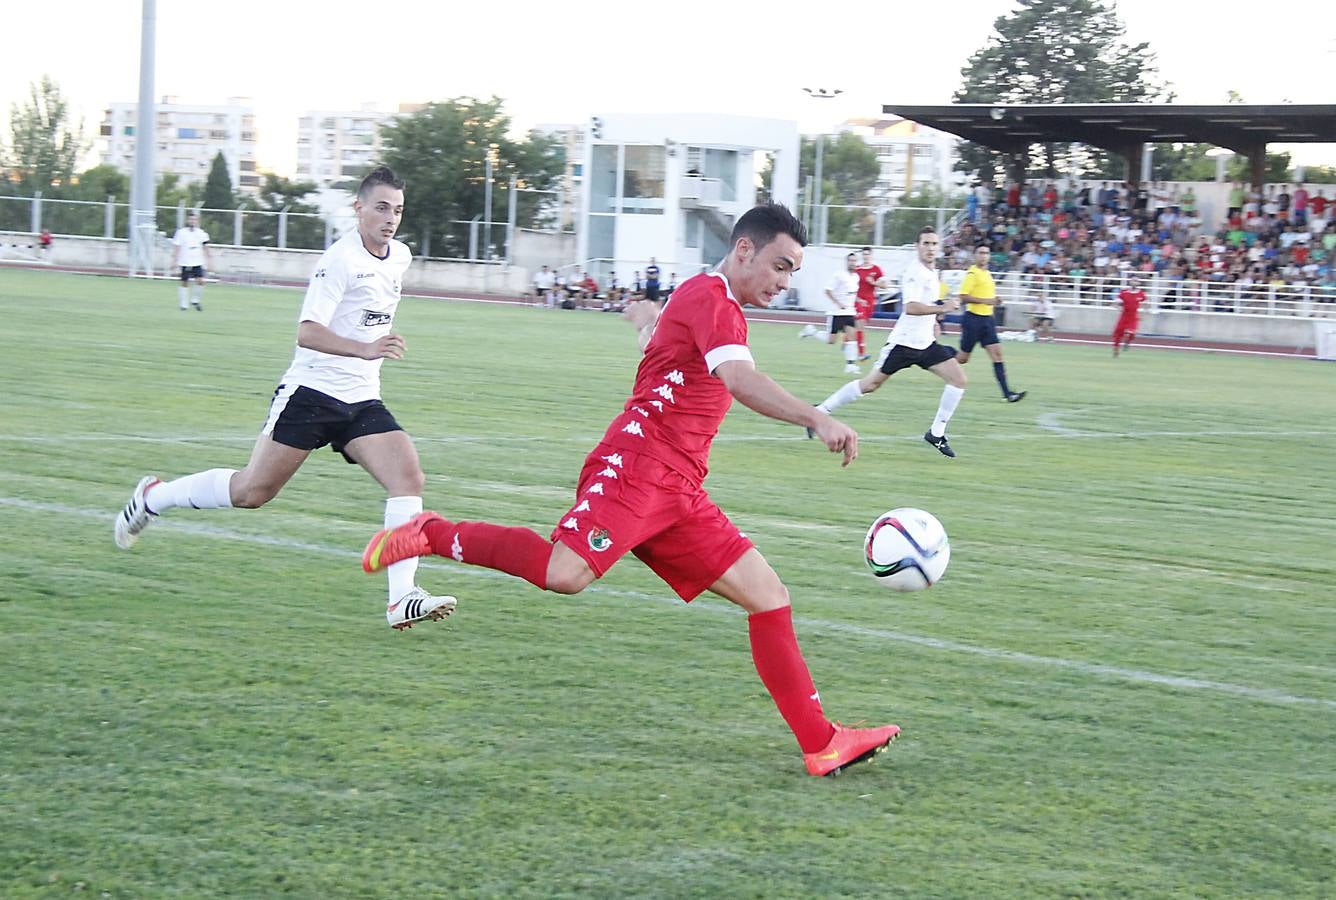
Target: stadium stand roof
{"x":1124,"y":128}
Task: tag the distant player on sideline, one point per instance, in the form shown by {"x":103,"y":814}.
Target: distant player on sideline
{"x":979,"y":294}
{"x":870,"y":277}
{"x":191,"y":255}
{"x":652,"y":281}
{"x":329,"y":395}
{"x":640,"y":489}
{"x":1125,"y":330}
{"x":912,"y":343}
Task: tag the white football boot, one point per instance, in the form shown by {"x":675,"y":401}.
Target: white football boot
{"x":418,"y":606}
{"x":135,"y":517}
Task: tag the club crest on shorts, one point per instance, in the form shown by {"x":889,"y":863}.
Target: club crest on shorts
{"x":600,"y":540}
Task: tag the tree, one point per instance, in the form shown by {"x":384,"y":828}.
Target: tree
{"x":849,"y":171}
{"x":1056,"y":51}
{"x":218,"y":195}
{"x":45,"y":145}
{"x":441,"y":152}
{"x":305,"y":228}
{"x":1190,"y":162}
{"x":170,"y":196}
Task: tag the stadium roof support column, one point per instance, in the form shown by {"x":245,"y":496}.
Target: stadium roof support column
{"x":1256,"y":154}
{"x":1131,"y":154}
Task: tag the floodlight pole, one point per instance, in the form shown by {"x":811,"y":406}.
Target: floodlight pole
{"x":819,"y":94}
{"x":143,"y":219}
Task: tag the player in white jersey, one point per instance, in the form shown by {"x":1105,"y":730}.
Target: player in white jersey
{"x":329,"y":395}
{"x":912,"y":342}
{"x":192,"y":254}
{"x":842,"y":293}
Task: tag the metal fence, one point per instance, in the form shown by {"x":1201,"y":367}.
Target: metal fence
{"x":1164,"y":293}
{"x":874,"y":226}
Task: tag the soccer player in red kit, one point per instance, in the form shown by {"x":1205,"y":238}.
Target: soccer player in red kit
{"x":870,"y":277}
{"x":1131,"y":297}
{"x":640,"y":490}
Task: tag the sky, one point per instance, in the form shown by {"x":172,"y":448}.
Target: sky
{"x":563,"y":62}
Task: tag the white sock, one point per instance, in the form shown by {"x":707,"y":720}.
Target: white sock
{"x":950,"y":400}
{"x":847,"y":394}
{"x":203,"y":490}
{"x":196,"y":292}
{"x":181,"y":295}
{"x":851,"y":351}
{"x":403,"y":574}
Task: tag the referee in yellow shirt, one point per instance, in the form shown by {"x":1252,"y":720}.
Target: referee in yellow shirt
{"x":978,"y":294}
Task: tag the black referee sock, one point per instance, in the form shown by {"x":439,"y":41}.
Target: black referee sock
{"x":1000,"y":373}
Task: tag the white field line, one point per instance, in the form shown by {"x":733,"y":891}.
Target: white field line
{"x":1112,"y":673}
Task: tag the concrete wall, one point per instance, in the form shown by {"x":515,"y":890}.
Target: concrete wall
{"x":260,"y":264}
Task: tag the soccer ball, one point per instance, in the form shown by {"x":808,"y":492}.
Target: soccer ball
{"x":907,"y":549}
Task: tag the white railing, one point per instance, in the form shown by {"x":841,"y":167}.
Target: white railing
{"x":1165,"y":293}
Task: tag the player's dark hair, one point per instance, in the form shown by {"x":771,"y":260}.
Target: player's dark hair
{"x":763,"y":223}
{"x":927,"y":229}
{"x":379,"y":175}
{"x":867,"y":249}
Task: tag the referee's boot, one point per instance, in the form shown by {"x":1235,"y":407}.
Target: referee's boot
{"x":418,"y":606}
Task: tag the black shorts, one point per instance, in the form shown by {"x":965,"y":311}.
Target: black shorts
{"x":839,"y":323}
{"x":306,"y":419}
{"x":652,"y":291}
{"x":189,"y":272}
{"x":895,"y":357}
{"x":977,"y":329}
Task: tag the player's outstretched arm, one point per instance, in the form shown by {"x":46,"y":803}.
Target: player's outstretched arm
{"x":758,"y":391}
{"x":314,"y":336}
{"x":643,"y":316}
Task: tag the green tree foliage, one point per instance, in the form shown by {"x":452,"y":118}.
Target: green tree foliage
{"x":849,"y":171}
{"x":913,"y":211}
{"x":45,"y":144}
{"x":1190,"y":162}
{"x":305,"y":229}
{"x":440,"y":151}
{"x":1320,"y":174}
{"x":170,"y":196}
{"x":218,"y":195}
{"x":1056,"y":51}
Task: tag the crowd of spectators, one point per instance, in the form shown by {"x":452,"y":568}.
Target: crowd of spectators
{"x":581,"y":290}
{"x":1282,"y":236}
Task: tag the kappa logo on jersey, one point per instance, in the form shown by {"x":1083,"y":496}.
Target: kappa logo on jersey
{"x":613,"y":459}
{"x":583,"y":507}
{"x":572,"y":523}
{"x":600,"y":540}
{"x":641,"y":410}
{"x":457,"y":549}
{"x":634,"y":428}
{"x":665,"y":392}
{"x":608,"y":472}
{"x":597,"y":488}
{"x":371,"y":319}
{"x":319,"y":273}
{"x":676,"y":377}
{"x":657,"y":404}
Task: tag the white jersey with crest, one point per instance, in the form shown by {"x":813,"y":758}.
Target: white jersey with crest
{"x":190,"y":246}
{"x":918,"y":284}
{"x":354,"y":294}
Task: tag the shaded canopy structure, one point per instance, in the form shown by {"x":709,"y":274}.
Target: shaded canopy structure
{"x":1125,"y":128}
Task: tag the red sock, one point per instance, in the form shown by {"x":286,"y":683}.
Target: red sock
{"x":862,"y":347}
{"x":783,"y":670}
{"x":515,"y":551}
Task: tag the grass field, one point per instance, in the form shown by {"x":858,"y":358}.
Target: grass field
{"x":1124,"y":687}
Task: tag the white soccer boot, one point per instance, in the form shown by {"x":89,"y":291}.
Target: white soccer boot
{"x":135,"y":517}
{"x":418,"y":606}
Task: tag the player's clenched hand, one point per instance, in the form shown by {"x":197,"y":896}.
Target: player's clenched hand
{"x":391,"y":346}
{"x":838,"y":438}
{"x":950,"y":305}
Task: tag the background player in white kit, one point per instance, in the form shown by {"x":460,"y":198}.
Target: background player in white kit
{"x":329,"y":395}
{"x":192,"y":254}
{"x":842,"y":292}
{"x":912,"y":343}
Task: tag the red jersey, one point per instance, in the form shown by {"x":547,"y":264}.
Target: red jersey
{"x":677,"y":403}
{"x":1319,"y":205}
{"x":1131,"y":301}
{"x":868,"y":276}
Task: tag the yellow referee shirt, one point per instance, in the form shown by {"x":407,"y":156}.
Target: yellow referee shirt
{"x":979,"y":284}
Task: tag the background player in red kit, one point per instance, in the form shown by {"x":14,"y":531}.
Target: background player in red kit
{"x":870,"y":277}
{"x":1131,"y":298}
{"x":640,"y":490}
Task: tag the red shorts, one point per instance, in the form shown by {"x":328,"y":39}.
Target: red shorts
{"x":630,"y":502}
{"x":863,"y":309}
{"x":1125,"y":325}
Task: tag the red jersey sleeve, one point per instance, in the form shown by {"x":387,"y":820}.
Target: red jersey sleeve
{"x":719,"y":330}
